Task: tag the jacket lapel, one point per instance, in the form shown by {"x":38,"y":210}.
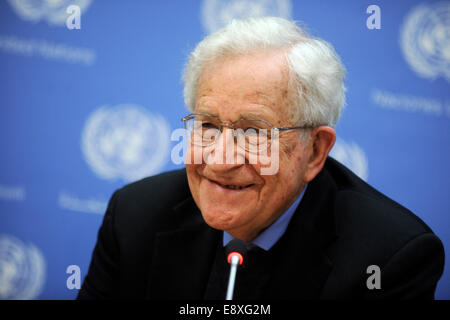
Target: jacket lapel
{"x":304,"y":263}
{"x":182,"y":258}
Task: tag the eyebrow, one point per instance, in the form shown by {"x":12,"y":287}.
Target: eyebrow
{"x":255,"y":116}
{"x":200,"y":109}
{"x":247,"y":115}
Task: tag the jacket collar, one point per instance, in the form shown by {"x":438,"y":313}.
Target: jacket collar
{"x":305,"y":246}
{"x":182,"y":257}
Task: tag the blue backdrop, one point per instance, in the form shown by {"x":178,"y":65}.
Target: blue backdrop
{"x":85,"y":111}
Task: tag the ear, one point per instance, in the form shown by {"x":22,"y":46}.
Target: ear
{"x":321,"y":141}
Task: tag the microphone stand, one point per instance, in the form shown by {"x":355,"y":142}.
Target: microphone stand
{"x":234,"y":261}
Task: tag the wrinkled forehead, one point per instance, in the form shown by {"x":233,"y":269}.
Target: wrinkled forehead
{"x":248,"y":85}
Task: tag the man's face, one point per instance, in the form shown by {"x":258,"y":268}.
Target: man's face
{"x":250,"y":86}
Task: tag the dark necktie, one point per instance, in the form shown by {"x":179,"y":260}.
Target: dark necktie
{"x":251,"y":279}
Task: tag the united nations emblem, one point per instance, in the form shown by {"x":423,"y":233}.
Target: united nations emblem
{"x":54,"y":11}
{"x":217,"y":13}
{"x":425,"y":40}
{"x":22,"y":269}
{"x":352,"y":156}
{"x":125,"y":142}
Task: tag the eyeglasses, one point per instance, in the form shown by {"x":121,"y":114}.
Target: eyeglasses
{"x":253,"y":135}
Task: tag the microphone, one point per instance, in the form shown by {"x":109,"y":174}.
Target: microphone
{"x":236,"y":253}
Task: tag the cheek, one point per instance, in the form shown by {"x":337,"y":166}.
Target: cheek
{"x":193,"y":180}
{"x":280,"y":156}
{"x":191,"y":172}
{"x":289,"y":178}
{"x":271,"y":187}
{"x":287,"y":148}
{"x":194,"y":155}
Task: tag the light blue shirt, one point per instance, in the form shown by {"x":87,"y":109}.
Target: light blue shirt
{"x":273,"y":233}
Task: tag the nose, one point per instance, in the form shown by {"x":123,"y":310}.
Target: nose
{"x":224,"y":153}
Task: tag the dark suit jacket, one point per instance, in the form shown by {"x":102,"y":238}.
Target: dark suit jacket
{"x":153,"y":243}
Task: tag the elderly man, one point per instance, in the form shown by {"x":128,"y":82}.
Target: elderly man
{"x":262,"y":94}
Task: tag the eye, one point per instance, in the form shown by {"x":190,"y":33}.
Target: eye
{"x":209,"y":125}
{"x":252,"y":130}
{"x":252,"y":134}
{"x":256,"y":132}
{"x":204,"y":125}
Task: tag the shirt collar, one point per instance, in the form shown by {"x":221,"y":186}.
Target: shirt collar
{"x":273,"y":233}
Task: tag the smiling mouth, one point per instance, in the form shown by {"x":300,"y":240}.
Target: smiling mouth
{"x":231,"y":186}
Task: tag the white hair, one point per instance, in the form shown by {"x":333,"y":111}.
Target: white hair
{"x":316,"y":72}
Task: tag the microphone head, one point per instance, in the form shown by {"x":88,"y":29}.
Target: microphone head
{"x":236,"y":247}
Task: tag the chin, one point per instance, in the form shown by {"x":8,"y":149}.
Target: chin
{"x":220,"y":219}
